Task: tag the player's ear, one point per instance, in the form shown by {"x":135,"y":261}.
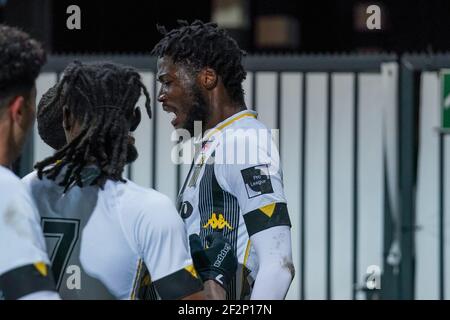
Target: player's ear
{"x":17,"y":110}
{"x":67,"y":119}
{"x":135,"y":119}
{"x":208,"y":78}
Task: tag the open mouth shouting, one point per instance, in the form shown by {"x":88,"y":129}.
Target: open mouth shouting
{"x":174,"y":113}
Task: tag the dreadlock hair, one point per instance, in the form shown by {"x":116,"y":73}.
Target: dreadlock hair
{"x":21,"y":59}
{"x":102,"y":98}
{"x":199,"y":45}
{"x":49,"y":118}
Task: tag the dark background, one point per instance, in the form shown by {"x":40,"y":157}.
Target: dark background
{"x":323,"y":26}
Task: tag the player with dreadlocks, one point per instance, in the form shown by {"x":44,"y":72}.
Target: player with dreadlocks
{"x":24,"y":263}
{"x":119,"y":240}
{"x":201,"y":74}
{"x":105,"y":114}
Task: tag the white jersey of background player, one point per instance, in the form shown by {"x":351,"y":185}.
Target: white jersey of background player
{"x":113,"y":243}
{"x":23,"y":256}
{"x":24,"y":270}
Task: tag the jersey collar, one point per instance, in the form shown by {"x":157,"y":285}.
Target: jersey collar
{"x":227,"y":122}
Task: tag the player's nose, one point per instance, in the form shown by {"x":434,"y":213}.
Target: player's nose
{"x":162,"y":96}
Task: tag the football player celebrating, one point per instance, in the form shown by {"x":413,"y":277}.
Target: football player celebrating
{"x":201,"y":75}
{"x":114,"y":239}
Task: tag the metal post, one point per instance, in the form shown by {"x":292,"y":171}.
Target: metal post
{"x":441,"y":215}
{"x":409,"y":93}
{"x":355,"y":186}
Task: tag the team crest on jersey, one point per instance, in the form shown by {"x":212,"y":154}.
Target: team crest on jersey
{"x":257,"y":180}
{"x":186,"y":210}
{"x":217,"y":223}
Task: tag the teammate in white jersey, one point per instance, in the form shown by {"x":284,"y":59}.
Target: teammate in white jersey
{"x":228,"y":190}
{"x":106,"y":236}
{"x":24,"y":264}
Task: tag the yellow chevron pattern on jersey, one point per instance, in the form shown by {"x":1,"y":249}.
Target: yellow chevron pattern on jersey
{"x":191,"y":270}
{"x":42,"y":268}
{"x":217,"y":223}
{"x":268,"y":210}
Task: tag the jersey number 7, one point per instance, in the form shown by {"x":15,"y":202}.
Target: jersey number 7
{"x":65,"y":233}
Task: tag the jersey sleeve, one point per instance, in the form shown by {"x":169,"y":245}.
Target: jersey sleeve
{"x":24,"y":264}
{"x":247,"y":165}
{"x":162,"y":242}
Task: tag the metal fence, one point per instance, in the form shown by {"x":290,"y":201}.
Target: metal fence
{"x":429,"y":173}
{"x":347,"y":141}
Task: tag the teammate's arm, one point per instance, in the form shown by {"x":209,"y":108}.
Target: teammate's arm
{"x":276,"y":270}
{"x":211,"y":291}
{"x":216,"y":264}
{"x":258,"y":186}
{"x":29,"y":282}
{"x":162,"y":240}
{"x":24,"y":265}
{"x":270,"y":233}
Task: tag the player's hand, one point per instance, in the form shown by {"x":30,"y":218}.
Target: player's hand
{"x":216,"y":262}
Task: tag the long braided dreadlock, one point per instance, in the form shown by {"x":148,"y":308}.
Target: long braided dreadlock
{"x":200,"y":45}
{"x":102,"y":98}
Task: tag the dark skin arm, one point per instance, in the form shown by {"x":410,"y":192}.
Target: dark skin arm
{"x":211,"y":291}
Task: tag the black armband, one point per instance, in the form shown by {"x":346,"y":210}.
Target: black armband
{"x":179,"y":284}
{"x":21,"y":281}
{"x":272,"y":215}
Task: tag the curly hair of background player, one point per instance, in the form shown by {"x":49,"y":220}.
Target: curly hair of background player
{"x":21,"y":59}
